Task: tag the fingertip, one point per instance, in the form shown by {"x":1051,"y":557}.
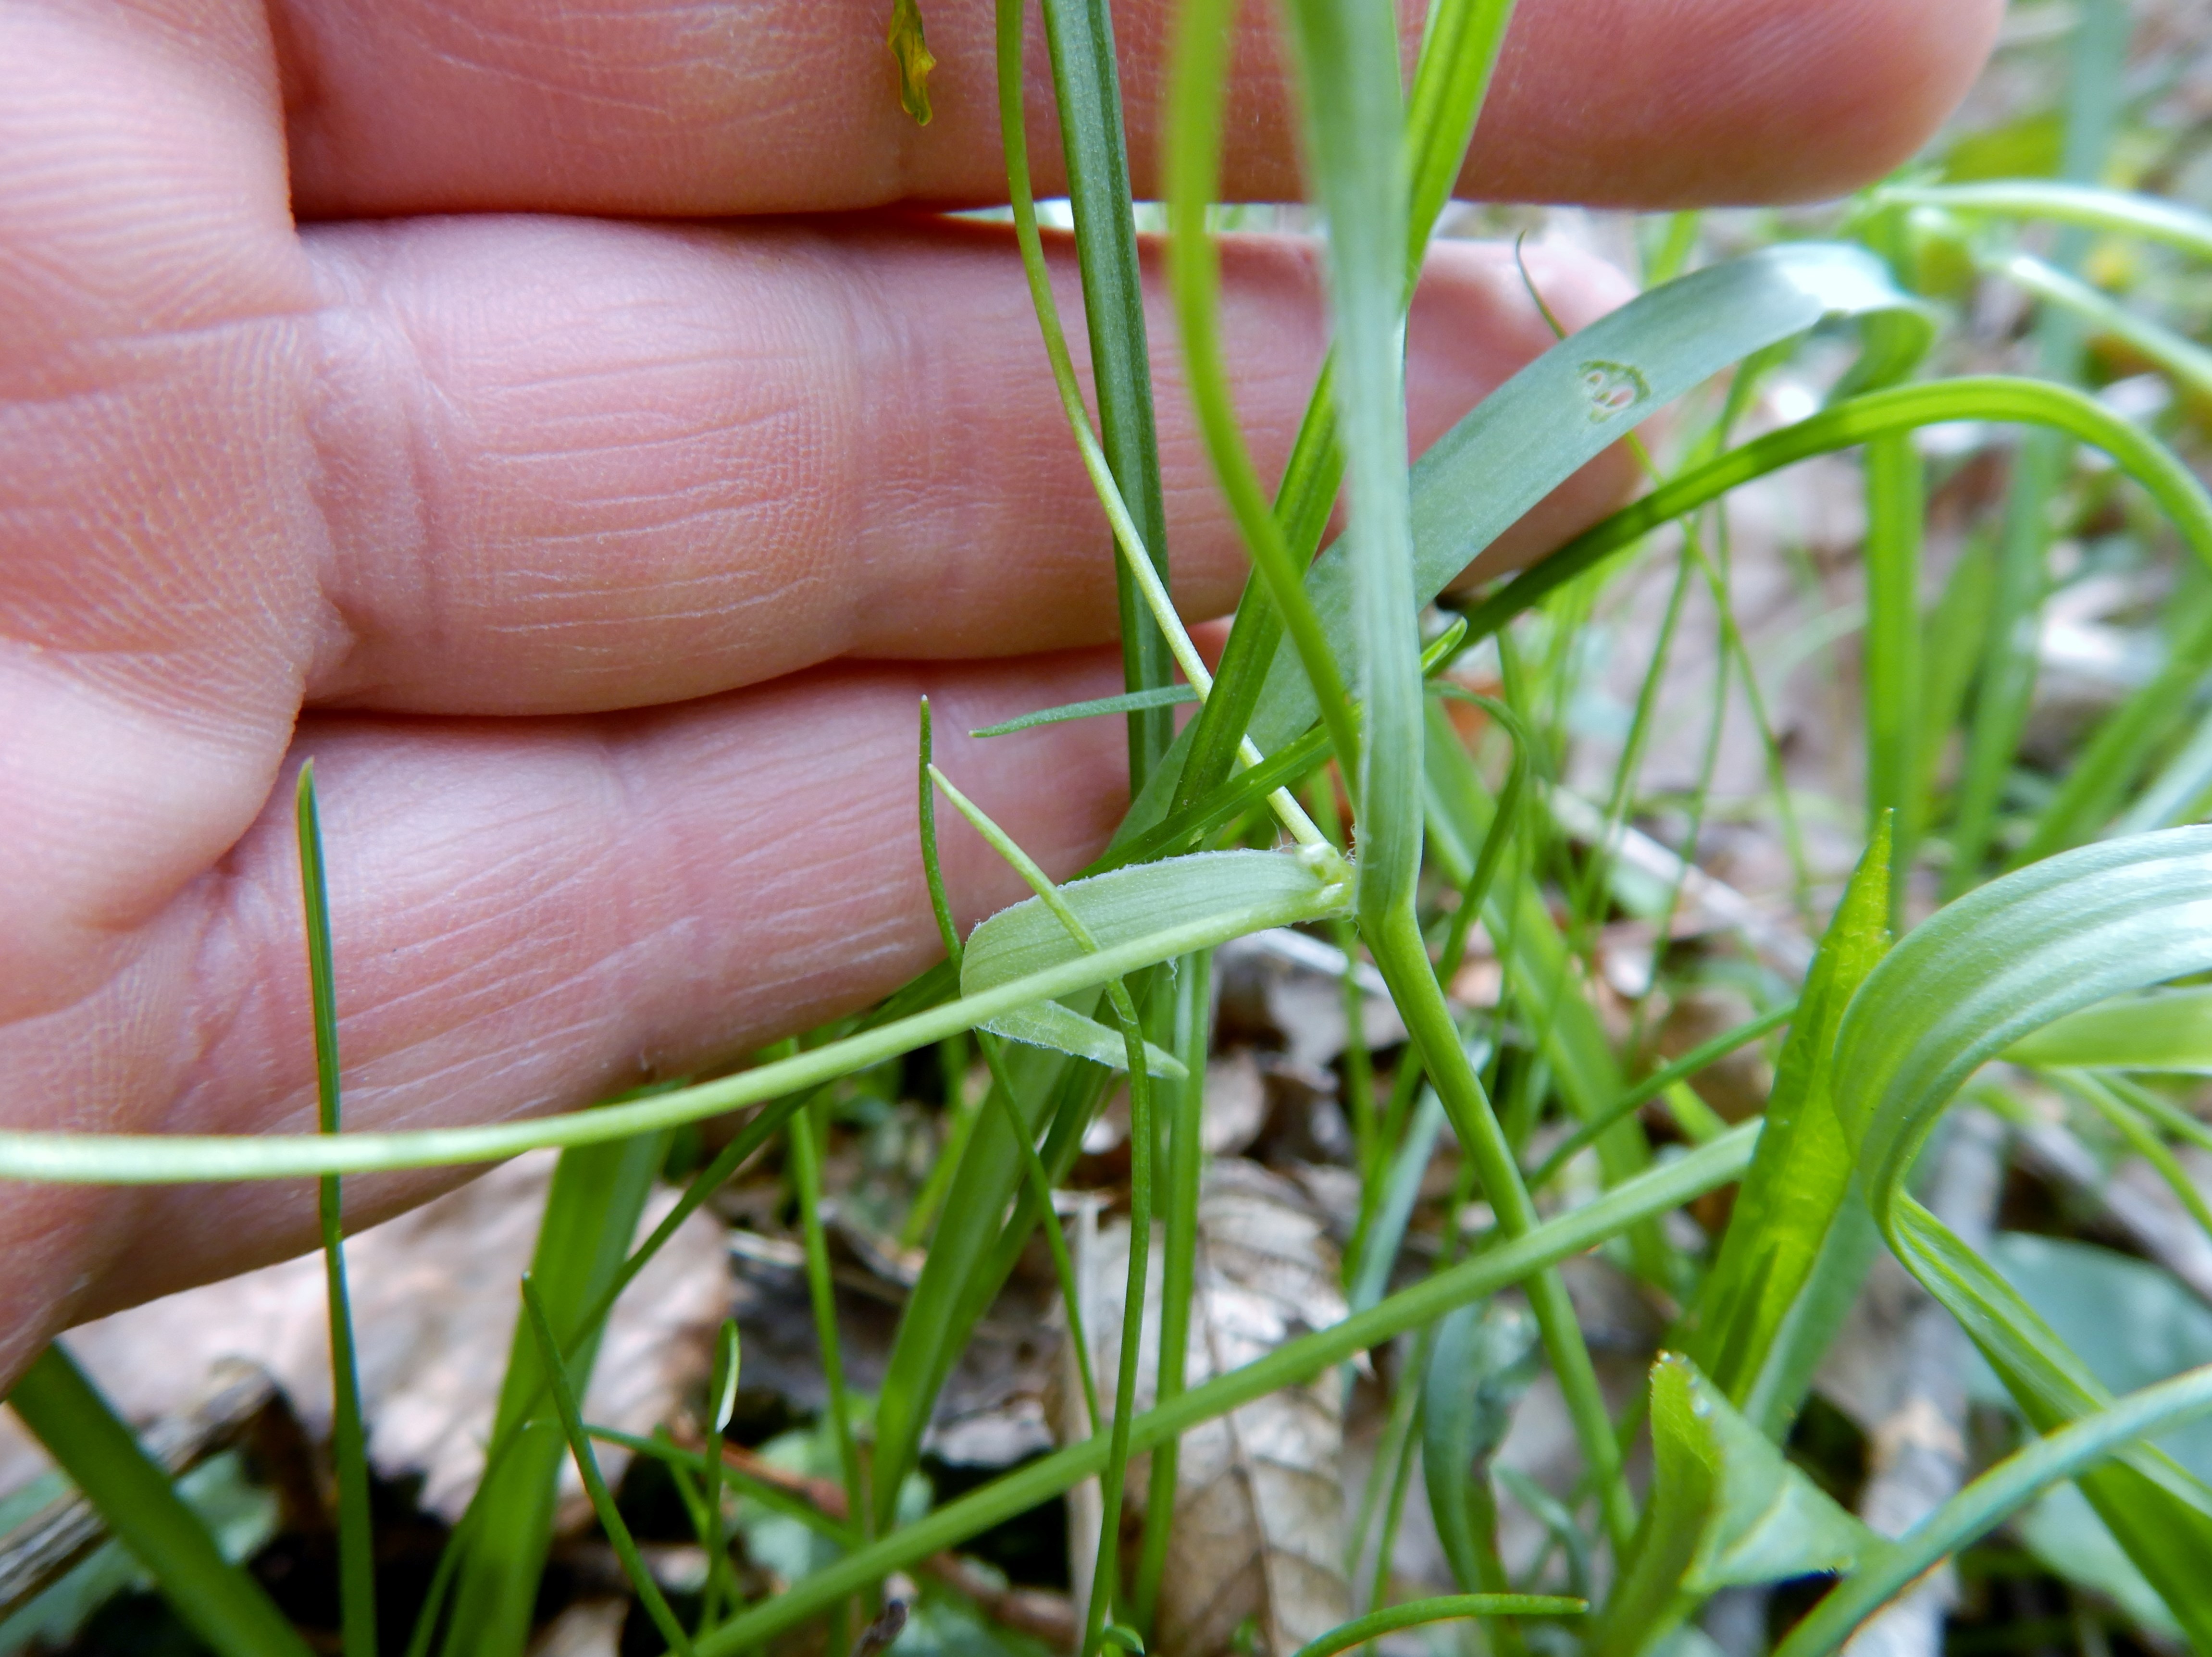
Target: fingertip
{"x":1708,"y":102}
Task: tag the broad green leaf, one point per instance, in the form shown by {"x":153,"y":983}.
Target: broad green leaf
{"x":1569,"y":405}
{"x":1799,"y":1178}
{"x":1129,"y":904}
{"x":1978,"y":976}
{"x":1482,"y":1360}
{"x":1726,"y":1509}
{"x":2163,"y":1031}
{"x":1055,"y":1025}
{"x":911,"y":52}
{"x":1580,"y":396}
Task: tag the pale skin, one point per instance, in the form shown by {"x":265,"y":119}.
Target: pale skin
{"x":424,"y":387}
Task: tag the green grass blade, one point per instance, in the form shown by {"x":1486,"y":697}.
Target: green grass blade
{"x":2187,"y":364}
{"x":592,"y":1210}
{"x":1348,"y":70}
{"x":1894,"y":697}
{"x":802,"y":1137}
{"x":172,"y":1159}
{"x":2003,"y":1490}
{"x":1656,"y":1083}
{"x":721,"y":1404}
{"x":1861,"y":419}
{"x":1105,"y":1580}
{"x":1481,"y":1359}
{"x":1135,"y":701}
{"x":1446,"y":1608}
{"x":2121,"y":746}
{"x":1973,"y":980}
{"x":216,"y":1600}
{"x":1198,"y":92}
{"x":1193,"y":997}
{"x":1797,"y":1185}
{"x":1080,"y":36}
{"x":349,"y":1440}
{"x":1652,"y":1193}
{"x":2162,"y":1030}
{"x":1453,"y":76}
{"x":595,"y":1486}
{"x":2110,"y":212}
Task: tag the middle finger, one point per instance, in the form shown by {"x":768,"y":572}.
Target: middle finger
{"x":571,"y":465}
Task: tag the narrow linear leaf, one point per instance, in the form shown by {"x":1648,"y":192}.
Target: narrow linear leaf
{"x":1134,"y":701}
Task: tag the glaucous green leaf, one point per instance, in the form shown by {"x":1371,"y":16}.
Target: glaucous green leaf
{"x":1483,"y":1359}
{"x":1127,"y":904}
{"x":2161,"y":1030}
{"x":1976,"y":978}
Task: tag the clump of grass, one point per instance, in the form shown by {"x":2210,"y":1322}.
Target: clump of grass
{"x":1107,"y":974}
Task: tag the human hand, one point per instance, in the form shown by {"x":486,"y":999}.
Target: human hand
{"x":452,"y":391}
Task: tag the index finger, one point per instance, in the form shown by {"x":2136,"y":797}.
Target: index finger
{"x":705,"y":106}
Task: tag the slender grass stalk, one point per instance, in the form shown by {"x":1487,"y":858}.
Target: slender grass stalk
{"x":2007,"y":681}
{"x":2109,"y":212}
{"x":1892,"y":672}
{"x":2144,"y":1140}
{"x":803,"y":1137}
{"x":595,"y":1485}
{"x":592,"y":1210}
{"x":1080,"y":37}
{"x":1405,"y":967}
{"x":1002,"y":1084}
{"x":1105,"y":1583}
{"x":1857,"y":420}
{"x":1652,"y":1086}
{"x":216,"y":1600}
{"x":348,"y":1441}
{"x":1632,"y":1201}
{"x":1197,"y":96}
{"x":1449,"y":84}
{"x":1194,"y":993}
{"x":721,"y":1404}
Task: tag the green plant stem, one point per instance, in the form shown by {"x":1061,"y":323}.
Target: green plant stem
{"x":1856,"y":419}
{"x":177,"y":1159}
{"x":2006,"y":686}
{"x":1634,"y":1200}
{"x":595,"y":1486}
{"x":802,"y":1137}
{"x":1079,"y":38}
{"x":1447,"y":1608}
{"x":348,"y":1441}
{"x":1178,"y":1269}
{"x":592,"y":1210}
{"x":1197,"y":95}
{"x":1656,"y":1083}
{"x":1404,"y":963}
{"x":1893,"y":673}
{"x":216,"y":1600}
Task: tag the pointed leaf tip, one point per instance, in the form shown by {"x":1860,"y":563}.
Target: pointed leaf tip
{"x":911,"y":50}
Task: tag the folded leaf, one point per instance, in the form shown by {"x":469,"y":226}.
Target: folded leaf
{"x":1127,"y":904}
{"x":1727,"y":1509}
{"x":1052,"y":1024}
